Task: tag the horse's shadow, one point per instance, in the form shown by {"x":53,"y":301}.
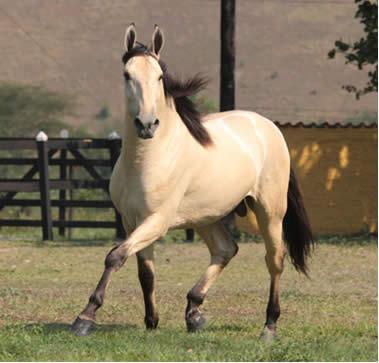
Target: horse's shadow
{"x":228,"y":327}
{"x":53,"y":328}
{"x":48,"y":328}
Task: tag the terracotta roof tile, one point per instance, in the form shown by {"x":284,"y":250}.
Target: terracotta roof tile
{"x":326,"y":124}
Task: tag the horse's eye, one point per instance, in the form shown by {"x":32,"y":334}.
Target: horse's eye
{"x":126,"y":76}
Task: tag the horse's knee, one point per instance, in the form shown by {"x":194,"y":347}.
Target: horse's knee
{"x":115,"y":259}
{"x":227,"y":254}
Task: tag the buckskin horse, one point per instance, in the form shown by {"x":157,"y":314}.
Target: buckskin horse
{"x":177,"y":169}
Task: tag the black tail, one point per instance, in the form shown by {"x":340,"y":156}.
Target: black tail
{"x":296,"y":227}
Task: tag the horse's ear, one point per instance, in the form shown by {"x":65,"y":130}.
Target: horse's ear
{"x":130,"y":37}
{"x":157,"y":41}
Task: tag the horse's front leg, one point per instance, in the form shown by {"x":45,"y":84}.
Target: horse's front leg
{"x":144,"y":235}
{"x":222,"y":248}
{"x":146,"y":275}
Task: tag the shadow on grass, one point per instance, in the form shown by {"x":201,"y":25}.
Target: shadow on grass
{"x":76,"y":243}
{"x":58,"y":243}
{"x":239,"y":328}
{"x":48,"y":328}
{"x":56,"y":328}
{"x":362,"y":239}
{"x":352,"y":240}
{"x":82,"y":243}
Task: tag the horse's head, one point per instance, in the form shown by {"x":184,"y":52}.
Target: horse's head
{"x":143,"y":81}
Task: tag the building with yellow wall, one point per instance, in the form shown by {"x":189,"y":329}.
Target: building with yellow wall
{"x":337,"y":170}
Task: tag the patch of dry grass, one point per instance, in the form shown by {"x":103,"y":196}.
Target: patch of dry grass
{"x":49,"y":284}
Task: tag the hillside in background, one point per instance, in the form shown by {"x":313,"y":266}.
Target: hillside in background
{"x":282,"y":68}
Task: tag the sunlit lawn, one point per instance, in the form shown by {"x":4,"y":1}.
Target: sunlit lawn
{"x":332,"y":316}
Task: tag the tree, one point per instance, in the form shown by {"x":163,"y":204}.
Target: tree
{"x":25,"y":109}
{"x":103,"y":113}
{"x":363,"y":52}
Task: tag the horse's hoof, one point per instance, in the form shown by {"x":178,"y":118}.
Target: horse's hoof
{"x":151,"y":323}
{"x":82,"y":327}
{"x":268,"y":335}
{"x":195,"y":321}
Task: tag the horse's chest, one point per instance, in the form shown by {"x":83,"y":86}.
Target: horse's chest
{"x":137,"y":195}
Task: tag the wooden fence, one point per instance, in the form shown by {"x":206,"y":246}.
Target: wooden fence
{"x":64,"y":153}
{"x":54,"y":152}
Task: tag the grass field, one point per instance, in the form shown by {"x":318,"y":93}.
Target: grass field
{"x":332,"y":317}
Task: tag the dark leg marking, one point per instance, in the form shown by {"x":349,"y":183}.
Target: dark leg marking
{"x":86,"y":320}
{"x":272,"y":314}
{"x":146,"y":278}
{"x":115,"y":258}
{"x":273,"y":309}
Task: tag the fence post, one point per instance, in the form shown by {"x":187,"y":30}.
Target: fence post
{"x":44,"y":185}
{"x":227,"y":61}
{"x":114,"y":148}
{"x":190,"y":235}
{"x":70,"y":193}
{"x":62,"y":176}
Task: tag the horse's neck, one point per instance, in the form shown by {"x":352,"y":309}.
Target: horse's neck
{"x":163,"y":148}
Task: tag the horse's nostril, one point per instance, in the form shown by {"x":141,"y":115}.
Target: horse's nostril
{"x":138,"y":123}
{"x":146,"y":130}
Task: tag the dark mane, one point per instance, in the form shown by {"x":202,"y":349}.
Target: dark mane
{"x":139,"y":49}
{"x":181,"y":91}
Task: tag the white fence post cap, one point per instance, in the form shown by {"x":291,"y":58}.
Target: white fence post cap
{"x":41,"y":136}
{"x":113,"y":135}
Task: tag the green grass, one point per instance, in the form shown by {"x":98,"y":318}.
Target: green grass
{"x":330,"y":317}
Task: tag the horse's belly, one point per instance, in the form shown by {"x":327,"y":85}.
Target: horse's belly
{"x":215,"y":195}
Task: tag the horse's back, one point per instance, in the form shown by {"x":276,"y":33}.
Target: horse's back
{"x":271,"y":154}
{"x":270,"y":149}
{"x":230,"y":169}
{"x":252,"y":134}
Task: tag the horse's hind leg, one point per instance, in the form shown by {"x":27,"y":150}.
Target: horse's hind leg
{"x":270,"y":223}
{"x":146,"y":274}
{"x":222,"y":248}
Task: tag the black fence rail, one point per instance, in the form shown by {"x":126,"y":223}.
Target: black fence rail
{"x":55,"y":152}
{"x":64,"y":154}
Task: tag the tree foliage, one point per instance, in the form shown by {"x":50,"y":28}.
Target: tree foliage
{"x":103,"y":113}
{"x":364,"y":52}
{"x":26,"y":109}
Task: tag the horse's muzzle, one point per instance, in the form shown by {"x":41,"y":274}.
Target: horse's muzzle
{"x":146,"y":130}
